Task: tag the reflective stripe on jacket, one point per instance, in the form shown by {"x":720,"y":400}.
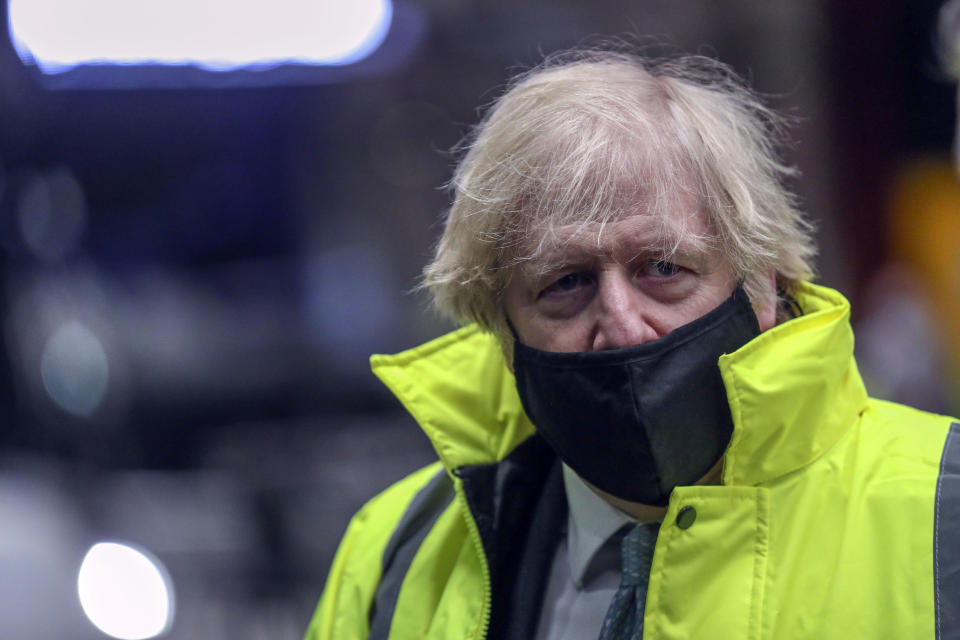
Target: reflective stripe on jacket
{"x":838,"y":515}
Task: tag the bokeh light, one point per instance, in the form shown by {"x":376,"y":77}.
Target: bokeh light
{"x":349,"y":300}
{"x":51,"y":214}
{"x":125,"y":592}
{"x":75,"y":369}
{"x":214,"y":34}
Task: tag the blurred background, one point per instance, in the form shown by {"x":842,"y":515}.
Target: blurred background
{"x":197,"y":260}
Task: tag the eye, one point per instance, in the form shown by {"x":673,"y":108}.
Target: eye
{"x":569,"y":282}
{"x":661,"y":269}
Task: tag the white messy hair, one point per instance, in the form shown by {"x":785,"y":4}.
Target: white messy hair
{"x":591,"y":137}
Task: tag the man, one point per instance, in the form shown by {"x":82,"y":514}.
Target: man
{"x":705,"y":461}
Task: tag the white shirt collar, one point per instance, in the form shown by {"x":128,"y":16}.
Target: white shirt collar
{"x":590,"y":523}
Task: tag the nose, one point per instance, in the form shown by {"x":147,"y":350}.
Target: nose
{"x":621,"y":313}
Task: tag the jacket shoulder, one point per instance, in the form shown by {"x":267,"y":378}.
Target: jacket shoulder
{"x":896,"y":415}
{"x":908,"y":430}
{"x":344,"y":608}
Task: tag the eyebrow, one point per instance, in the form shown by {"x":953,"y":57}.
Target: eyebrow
{"x":572,"y":253}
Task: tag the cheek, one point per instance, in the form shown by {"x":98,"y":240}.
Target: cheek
{"x":538,"y":330}
{"x":558,"y":336}
{"x":697,"y":305}
{"x":513,"y":309}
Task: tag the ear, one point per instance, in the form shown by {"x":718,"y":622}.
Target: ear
{"x":767,"y":311}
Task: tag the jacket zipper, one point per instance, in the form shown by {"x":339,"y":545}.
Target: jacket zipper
{"x":484,"y":567}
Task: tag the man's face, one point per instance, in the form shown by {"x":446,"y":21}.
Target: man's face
{"x":616,"y":289}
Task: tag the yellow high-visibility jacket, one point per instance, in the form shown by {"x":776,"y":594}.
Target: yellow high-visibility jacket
{"x":838,"y":515}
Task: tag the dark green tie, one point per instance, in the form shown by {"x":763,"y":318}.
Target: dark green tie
{"x":624,"y":620}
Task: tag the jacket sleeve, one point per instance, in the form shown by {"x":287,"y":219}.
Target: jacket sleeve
{"x":344,"y":609}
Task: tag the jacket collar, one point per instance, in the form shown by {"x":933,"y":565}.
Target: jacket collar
{"x":458,"y":388}
{"x":794,"y":390}
{"x":796,"y":383}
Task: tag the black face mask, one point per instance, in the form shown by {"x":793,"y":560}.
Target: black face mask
{"x":638,"y":421}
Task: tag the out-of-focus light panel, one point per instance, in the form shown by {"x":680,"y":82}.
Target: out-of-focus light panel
{"x":125,"y":592}
{"x":75,"y":369}
{"x":51,"y":214}
{"x":219,"y":35}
